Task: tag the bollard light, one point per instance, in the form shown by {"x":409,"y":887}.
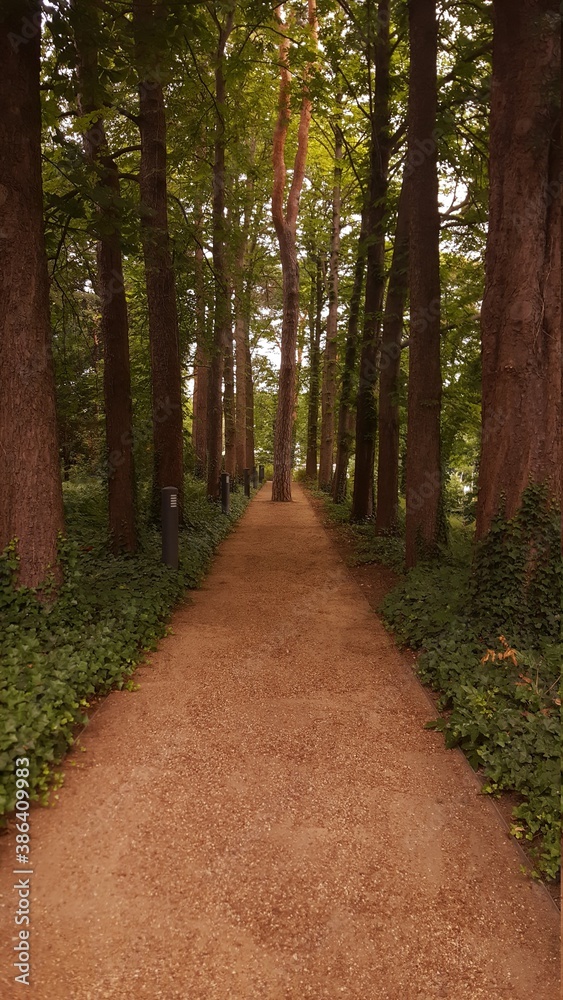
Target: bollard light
{"x":169,"y":520}
{"x":254,"y":478}
{"x":260,"y":473}
{"x":225,"y":493}
{"x":247,"y":482}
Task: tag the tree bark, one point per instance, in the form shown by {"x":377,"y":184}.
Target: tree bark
{"x":285,"y":224}
{"x":315,"y":330}
{"x":366,"y":416}
{"x":521,"y":313}
{"x":166,"y":375}
{"x":390,"y":366}
{"x":114,"y":325}
{"x":345,"y":434}
{"x":328,"y":396}
{"x":201,"y":364}
{"x":423,"y":472}
{"x":250,"y":459}
{"x":229,"y":405}
{"x":243,"y":294}
{"x":31,"y":505}
{"x":221,"y":327}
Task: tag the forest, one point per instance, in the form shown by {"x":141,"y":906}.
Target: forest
{"x":323,"y":237}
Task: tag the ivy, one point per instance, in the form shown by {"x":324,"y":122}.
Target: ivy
{"x":56,"y":658}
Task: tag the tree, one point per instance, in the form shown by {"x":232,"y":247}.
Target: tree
{"x":328,"y":397}
{"x":521,"y":312}
{"x":201,"y":363}
{"x":110,"y":288}
{"x":390,"y":364}
{"x":31,"y":505}
{"x":285,"y":224}
{"x":380,"y":146}
{"x":345,"y":433}
{"x":315,"y":330}
{"x":423,"y":469}
{"x":149,"y":25}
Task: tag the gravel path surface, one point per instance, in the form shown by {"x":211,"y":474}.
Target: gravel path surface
{"x":267,"y":818}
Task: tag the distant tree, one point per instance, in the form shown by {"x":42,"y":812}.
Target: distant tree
{"x":380,"y":148}
{"x":328,"y":395}
{"x":285,"y":223}
{"x":423,"y":464}
{"x":390,"y":364}
{"x":149,"y":26}
{"x":31,"y":506}
{"x":110,"y":286}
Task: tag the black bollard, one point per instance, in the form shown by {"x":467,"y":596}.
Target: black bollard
{"x":254,"y":478}
{"x":225,"y":493}
{"x":247,"y":482}
{"x":169,"y":520}
{"x":260,"y":473}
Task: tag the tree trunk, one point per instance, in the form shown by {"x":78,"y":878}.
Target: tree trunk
{"x":111,"y":291}
{"x":390,"y":366}
{"x":243,"y":294}
{"x":250,"y":460}
{"x":31,"y":505}
{"x":345,"y":435}
{"x":315,"y":329}
{"x":329,"y":369}
{"x":221,"y":326}
{"x":366,"y":417}
{"x":423,"y":473}
{"x":166,"y":375}
{"x":201,"y":365}
{"x":240,"y":402}
{"x":285,"y":224}
{"x":521,"y":313}
{"x":229,"y":406}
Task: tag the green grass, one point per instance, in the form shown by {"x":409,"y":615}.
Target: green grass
{"x":56,"y":658}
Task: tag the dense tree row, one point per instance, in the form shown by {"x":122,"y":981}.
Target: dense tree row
{"x":194,"y":192}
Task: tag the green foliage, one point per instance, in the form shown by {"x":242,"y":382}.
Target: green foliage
{"x":501,"y":703}
{"x":56,"y":658}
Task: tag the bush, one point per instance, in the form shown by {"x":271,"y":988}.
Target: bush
{"x":56,"y":658}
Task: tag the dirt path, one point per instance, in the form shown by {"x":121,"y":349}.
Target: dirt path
{"x":267,"y":818}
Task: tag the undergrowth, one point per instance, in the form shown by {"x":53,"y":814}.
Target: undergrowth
{"x":487,"y":624}
{"x":57,"y":657}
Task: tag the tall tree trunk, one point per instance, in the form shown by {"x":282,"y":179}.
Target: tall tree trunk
{"x":229,"y":405}
{"x":250,"y":460}
{"x":31,"y":505}
{"x":118,"y":405}
{"x":315,"y":330}
{"x":221,"y":328}
{"x":521,"y":313}
{"x":166,"y":375}
{"x":285,"y":224}
{"x":345,"y":434}
{"x":201,"y":365}
{"x":328,"y":397}
{"x":243,"y":294}
{"x":423,"y":472}
{"x":366,"y":417}
{"x":240,"y":400}
{"x":390,"y":366}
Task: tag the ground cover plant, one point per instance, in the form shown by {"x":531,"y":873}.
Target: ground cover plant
{"x":57,"y":656}
{"x":487,"y":626}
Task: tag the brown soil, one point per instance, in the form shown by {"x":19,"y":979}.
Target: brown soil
{"x":267,"y":817}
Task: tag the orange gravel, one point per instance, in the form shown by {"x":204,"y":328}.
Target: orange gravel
{"x":267,"y":817}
